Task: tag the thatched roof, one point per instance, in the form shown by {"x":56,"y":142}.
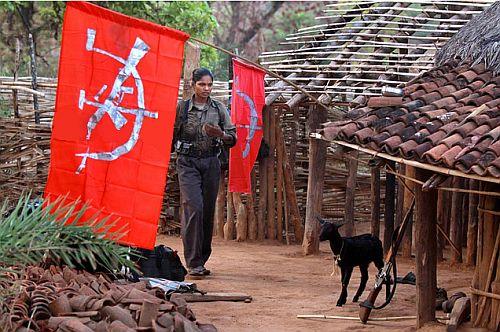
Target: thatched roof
{"x":359,"y":46}
{"x":477,"y":41}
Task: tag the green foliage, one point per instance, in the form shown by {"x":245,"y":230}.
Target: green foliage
{"x":46,"y":18}
{"x":31,"y":235}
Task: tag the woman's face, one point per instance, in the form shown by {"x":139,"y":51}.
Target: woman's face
{"x":203,"y":87}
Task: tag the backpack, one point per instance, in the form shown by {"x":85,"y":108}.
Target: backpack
{"x":224,"y":150}
{"x":161,"y":262}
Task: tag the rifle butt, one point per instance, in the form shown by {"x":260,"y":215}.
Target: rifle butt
{"x":365,"y":308}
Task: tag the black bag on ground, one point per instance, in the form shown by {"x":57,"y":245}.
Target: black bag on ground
{"x":161,"y":262}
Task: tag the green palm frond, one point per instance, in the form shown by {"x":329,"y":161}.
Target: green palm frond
{"x":32,"y":234}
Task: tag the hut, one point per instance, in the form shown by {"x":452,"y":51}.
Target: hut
{"x":355,"y":49}
{"x":444,"y":133}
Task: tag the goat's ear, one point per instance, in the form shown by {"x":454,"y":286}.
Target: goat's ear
{"x":321,"y":220}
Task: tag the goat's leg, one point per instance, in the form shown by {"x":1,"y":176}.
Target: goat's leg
{"x":364,"y":278}
{"x":346,"y":276}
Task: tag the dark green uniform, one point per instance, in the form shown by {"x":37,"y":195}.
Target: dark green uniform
{"x":198,"y":169}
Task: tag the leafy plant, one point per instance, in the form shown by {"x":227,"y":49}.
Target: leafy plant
{"x":31,"y":234}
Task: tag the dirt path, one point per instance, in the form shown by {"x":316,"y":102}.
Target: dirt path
{"x":284,"y":283}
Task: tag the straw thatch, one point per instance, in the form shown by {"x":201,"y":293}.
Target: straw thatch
{"x":478,"y":41}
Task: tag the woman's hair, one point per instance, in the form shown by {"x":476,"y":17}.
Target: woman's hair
{"x":198,"y":74}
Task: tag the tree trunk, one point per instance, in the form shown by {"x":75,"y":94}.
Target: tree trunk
{"x":191,"y":62}
{"x":425,"y":236}
{"x":219,"y":206}
{"x":229,"y":226}
{"x":315,"y":181}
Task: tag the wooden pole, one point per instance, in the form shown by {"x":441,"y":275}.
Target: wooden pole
{"x":229,"y":225}
{"x":400,"y":190}
{"x":390,"y":188}
{"x":408,"y":197}
{"x":290,"y":194}
{"x":279,"y":181}
{"x":375,"y":201}
{"x":465,"y":214}
{"x":352,"y":163}
{"x":241,"y":218}
{"x":34,"y":78}
{"x":17,"y":60}
{"x":271,"y":222}
{"x":456,"y":220}
{"x":315,"y":182}
{"x":441,"y":203}
{"x":219,"y":206}
{"x":425,"y":236}
{"x":262,"y":216}
{"x":252,"y":218}
{"x":191,"y":62}
{"x":470,"y":258}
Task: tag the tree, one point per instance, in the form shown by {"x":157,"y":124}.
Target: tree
{"x":44,"y":21}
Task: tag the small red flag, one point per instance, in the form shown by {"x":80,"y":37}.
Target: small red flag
{"x":247,"y":101}
{"x":115,"y":108}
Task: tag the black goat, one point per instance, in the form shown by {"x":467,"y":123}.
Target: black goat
{"x":349,"y":252}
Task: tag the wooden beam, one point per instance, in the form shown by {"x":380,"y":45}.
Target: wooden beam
{"x":279,"y":180}
{"x":315,"y":182}
{"x":425,"y":236}
{"x":262,"y":216}
{"x":219,"y":206}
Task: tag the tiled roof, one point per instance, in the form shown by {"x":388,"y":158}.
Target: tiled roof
{"x":448,"y":117}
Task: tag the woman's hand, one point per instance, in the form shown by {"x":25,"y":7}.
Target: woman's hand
{"x":213,"y":131}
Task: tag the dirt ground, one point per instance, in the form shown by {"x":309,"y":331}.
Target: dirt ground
{"x":284,"y":283}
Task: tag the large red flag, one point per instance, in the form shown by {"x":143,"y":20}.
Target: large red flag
{"x":247,"y":101}
{"x":115,"y":108}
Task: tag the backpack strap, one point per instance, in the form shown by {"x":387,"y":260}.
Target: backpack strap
{"x":185,"y":111}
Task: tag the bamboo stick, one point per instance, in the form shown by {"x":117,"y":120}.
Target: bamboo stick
{"x":410,"y":9}
{"x":373,"y":319}
{"x":279,"y":180}
{"x":271,"y":199}
{"x":482,"y":293}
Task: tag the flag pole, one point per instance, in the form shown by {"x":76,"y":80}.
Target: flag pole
{"x":262,"y":68}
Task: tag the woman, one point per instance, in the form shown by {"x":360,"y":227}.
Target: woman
{"x":201,"y":128}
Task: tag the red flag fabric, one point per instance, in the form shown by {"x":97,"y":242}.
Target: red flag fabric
{"x":247,"y":101}
{"x":115,"y":109}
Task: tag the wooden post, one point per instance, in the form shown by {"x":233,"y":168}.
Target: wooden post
{"x":34,"y":84}
{"x":456,"y":220}
{"x":191,"y":62}
{"x":470,"y":258}
{"x":17,"y":60}
{"x":390,"y":188}
{"x":400,"y":191}
{"x":487,"y":271}
{"x":352,"y":162}
{"x":279,"y":181}
{"x":271,"y":223}
{"x":241,"y":218}
{"x":375,"y":201}
{"x":219,"y":206}
{"x":315,"y":182}
{"x":425,"y":236}
{"x":229,"y":225}
{"x":408,"y":196}
{"x":465,"y":214}
{"x":252,"y":218}
{"x":441,"y":203}
{"x":290,"y":194}
{"x":262,"y":216}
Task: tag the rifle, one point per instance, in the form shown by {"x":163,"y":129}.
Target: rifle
{"x":384,"y":275}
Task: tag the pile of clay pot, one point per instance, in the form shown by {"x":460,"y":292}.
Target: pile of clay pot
{"x":64,"y":299}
